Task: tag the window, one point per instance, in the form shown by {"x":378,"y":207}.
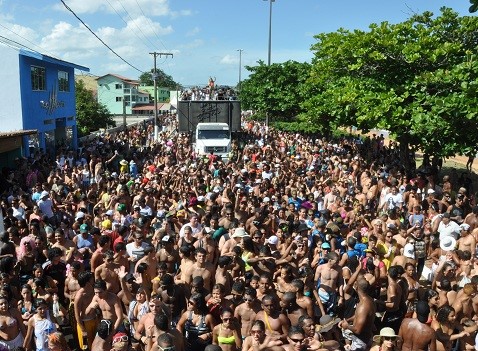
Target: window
{"x":118,"y":86}
{"x":63,"y":83}
{"x":38,"y":76}
{"x":119,"y":98}
{"x":133,"y":98}
{"x":126,"y":90}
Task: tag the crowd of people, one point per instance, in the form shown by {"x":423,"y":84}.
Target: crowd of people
{"x":295,"y":242}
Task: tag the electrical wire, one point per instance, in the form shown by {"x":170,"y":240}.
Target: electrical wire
{"x":101,"y":40}
{"x":136,"y":25}
{"x":151,"y":25}
{"x":126,"y":23}
{"x":28,"y":41}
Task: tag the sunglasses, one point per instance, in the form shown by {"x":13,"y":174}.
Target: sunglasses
{"x":226,"y":319}
{"x":123,"y":338}
{"x":170,"y":348}
{"x":389,"y":338}
{"x":297,"y":341}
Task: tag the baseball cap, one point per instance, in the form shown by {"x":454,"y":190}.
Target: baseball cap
{"x":273,"y":240}
{"x":84,"y":228}
{"x":121,"y":207}
{"x":109,"y":212}
{"x":79,"y":215}
{"x":128,"y":277}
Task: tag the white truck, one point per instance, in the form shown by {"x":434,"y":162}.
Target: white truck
{"x":213,"y":137}
{"x":210,"y":124}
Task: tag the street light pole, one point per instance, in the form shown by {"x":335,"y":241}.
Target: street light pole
{"x":270,"y":49}
{"x":270,"y":31}
{"x":240,"y":68}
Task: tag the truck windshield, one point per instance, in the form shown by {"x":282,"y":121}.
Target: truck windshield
{"x":213,"y":134}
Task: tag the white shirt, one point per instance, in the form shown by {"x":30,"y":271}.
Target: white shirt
{"x":451,"y":229}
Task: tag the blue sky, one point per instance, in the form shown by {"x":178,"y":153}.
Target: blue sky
{"x":203,"y":35}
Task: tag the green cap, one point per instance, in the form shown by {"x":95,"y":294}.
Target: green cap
{"x":121,"y":207}
{"x":84,"y":228}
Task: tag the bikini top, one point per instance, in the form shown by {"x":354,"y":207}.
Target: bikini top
{"x":226,"y":340}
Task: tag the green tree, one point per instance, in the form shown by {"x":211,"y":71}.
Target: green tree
{"x":90,"y":114}
{"x":276,"y":89}
{"x":164,"y":80}
{"x":416,"y":79}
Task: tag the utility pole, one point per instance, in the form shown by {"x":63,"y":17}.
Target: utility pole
{"x":155,"y":79}
{"x":240,"y":68}
{"x":124,"y":112}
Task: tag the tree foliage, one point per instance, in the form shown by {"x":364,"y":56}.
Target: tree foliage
{"x":90,"y":114}
{"x":276,"y":89}
{"x":164,"y":80}
{"x":416,"y":79}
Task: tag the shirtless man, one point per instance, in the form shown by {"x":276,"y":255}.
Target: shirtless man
{"x":290,"y":307}
{"x":71,"y":282}
{"x":151,"y":260}
{"x":466,"y":242}
{"x":167,"y":253}
{"x":415,"y":333}
{"x":246,"y":312}
{"x":173,"y":296}
{"x":205,"y":240}
{"x":222,"y":273}
{"x":201,"y":268}
{"x":264,"y":287}
{"x":463,"y":303}
{"x":66,"y":246}
{"x":109,"y":304}
{"x":303,"y":301}
{"x":360,"y":331}
{"x":85,"y":322}
{"x":328,"y":277}
{"x":97,"y":259}
{"x":147,"y":321}
{"x":393,"y":315}
{"x":186,"y":254}
{"x":106,"y":272}
{"x":472,"y":219}
{"x":277,"y":324}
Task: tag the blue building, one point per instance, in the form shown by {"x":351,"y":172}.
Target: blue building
{"x":39,"y":102}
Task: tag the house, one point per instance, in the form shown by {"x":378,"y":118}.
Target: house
{"x":120,"y":94}
{"x":39,"y":109}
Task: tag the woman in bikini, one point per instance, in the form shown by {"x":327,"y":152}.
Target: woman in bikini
{"x":196,"y":324}
{"x":413,"y":287}
{"x":25,"y":305}
{"x":226,"y":334}
{"x":12,"y":329}
{"x":445,"y":326}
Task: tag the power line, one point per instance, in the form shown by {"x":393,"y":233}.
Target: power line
{"x":28,"y":41}
{"x":151,"y":24}
{"x":119,"y":15}
{"x":97,"y":37}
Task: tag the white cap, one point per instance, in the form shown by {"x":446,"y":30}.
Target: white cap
{"x":266,"y":199}
{"x":273,"y":240}
{"x":409,"y":251}
{"x":79,"y":215}
{"x":430,"y":191}
{"x":464,"y":226}
{"x":201,"y":198}
{"x":43,"y":194}
{"x":108,"y":213}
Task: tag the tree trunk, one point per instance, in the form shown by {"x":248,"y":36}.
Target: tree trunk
{"x":405,"y":152}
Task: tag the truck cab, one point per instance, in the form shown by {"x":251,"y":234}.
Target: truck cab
{"x":213,"y":137}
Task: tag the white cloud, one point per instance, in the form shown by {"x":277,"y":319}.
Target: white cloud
{"x":193,"y":32}
{"x":229,"y":60}
{"x":132,"y":7}
{"x":193,"y":44}
{"x":150,"y":29}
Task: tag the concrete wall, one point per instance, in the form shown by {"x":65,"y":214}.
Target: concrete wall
{"x":11,"y":118}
